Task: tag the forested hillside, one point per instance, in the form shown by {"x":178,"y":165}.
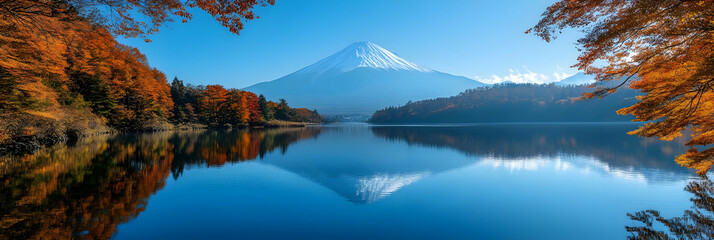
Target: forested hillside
{"x":512,"y":103}
{"x":216,"y":106}
{"x":63,"y":74}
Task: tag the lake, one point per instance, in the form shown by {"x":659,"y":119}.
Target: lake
{"x":346,"y":181}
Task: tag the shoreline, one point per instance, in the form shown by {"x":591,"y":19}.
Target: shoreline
{"x":29,"y":144}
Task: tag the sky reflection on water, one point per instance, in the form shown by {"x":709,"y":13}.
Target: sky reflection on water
{"x":510,"y":181}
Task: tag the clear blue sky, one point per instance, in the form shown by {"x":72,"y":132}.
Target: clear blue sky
{"x":477,"y":39}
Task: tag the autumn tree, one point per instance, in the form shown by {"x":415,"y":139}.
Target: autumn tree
{"x":80,"y":71}
{"x":252,"y":106}
{"x":213,"y":104}
{"x":235,"y":107}
{"x":663,"y":48}
{"x":126,"y":17}
{"x":62,"y":70}
{"x":142,"y":92}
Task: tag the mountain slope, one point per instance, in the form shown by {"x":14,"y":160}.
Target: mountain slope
{"x":577,"y":79}
{"x":362,"y":78}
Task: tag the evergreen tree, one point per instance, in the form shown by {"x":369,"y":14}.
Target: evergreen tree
{"x":178,"y":94}
{"x":283,"y":111}
{"x":95,"y":92}
{"x":11,"y":97}
{"x":267,"y":111}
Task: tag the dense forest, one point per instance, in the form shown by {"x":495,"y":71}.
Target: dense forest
{"x":512,"y":103}
{"x":216,"y":106}
{"x":63,"y":75}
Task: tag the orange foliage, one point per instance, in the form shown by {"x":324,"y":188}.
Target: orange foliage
{"x":213,"y":104}
{"x":252,"y":107}
{"x":663,"y":48}
{"x":220,"y":106}
{"x":53,"y":53}
{"x":120,"y":16}
{"x":59,"y":62}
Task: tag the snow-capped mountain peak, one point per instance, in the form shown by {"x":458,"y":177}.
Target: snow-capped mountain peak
{"x":360,"y":79}
{"x":361,"y":55}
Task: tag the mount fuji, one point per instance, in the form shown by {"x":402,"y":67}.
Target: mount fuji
{"x":360,"y":79}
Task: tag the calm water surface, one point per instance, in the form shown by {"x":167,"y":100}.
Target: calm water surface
{"x":350,"y":181}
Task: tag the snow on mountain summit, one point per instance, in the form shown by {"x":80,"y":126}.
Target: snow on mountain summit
{"x":361,"y":79}
{"x":361,"y":55}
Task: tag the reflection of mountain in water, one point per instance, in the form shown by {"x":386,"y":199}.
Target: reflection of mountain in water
{"x":351,"y":163}
{"x":366,"y":189}
{"x":606,"y":147}
{"x":380,"y":186}
{"x":86,"y":190}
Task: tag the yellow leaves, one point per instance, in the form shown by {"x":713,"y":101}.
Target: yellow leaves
{"x":588,"y":95}
{"x":701,"y":161}
{"x":702,"y":138}
{"x":671,"y":136}
{"x":624,"y":111}
{"x":54,"y":114}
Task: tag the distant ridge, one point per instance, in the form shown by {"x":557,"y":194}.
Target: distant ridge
{"x":360,"y":79}
{"x":513,"y":103}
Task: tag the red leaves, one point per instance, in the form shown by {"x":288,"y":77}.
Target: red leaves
{"x":120,"y":16}
{"x":220,"y":106}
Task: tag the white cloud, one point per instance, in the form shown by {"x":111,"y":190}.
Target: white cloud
{"x":526,"y":76}
{"x":560,"y":74}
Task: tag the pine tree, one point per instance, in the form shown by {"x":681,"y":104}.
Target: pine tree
{"x":267,"y":112}
{"x":283,"y":111}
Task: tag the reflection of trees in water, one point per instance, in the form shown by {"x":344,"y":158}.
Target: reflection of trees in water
{"x":86,"y":190}
{"x":216,"y":148}
{"x":82,"y":191}
{"x":607,"y":143}
{"x":697,"y":223}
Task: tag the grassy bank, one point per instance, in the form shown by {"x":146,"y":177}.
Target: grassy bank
{"x":44,"y":133}
{"x":280,"y":123}
{"x":30,"y":133}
